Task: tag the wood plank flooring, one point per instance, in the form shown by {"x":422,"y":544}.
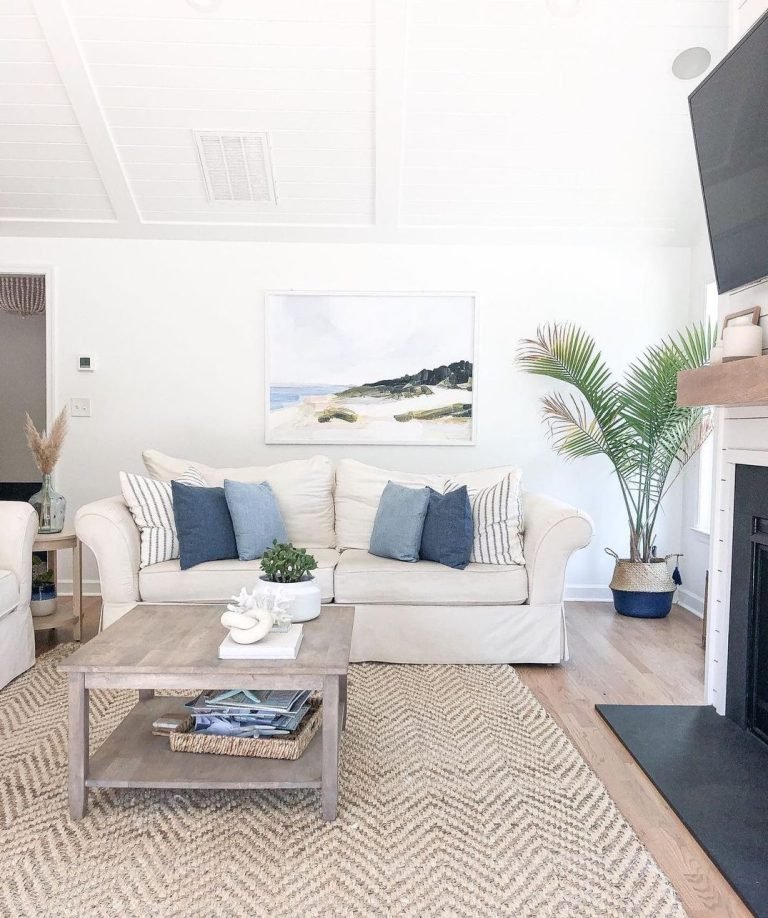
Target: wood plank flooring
{"x":621,"y":661}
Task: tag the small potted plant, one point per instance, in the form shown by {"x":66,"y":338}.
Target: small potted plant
{"x":290,"y":567}
{"x":43,"y":588}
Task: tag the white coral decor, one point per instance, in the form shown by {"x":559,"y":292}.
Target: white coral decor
{"x":250,"y":616}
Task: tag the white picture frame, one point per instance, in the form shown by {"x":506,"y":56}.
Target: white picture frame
{"x":306,"y":333}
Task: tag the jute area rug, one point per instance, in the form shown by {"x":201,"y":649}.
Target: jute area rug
{"x":459,"y":797}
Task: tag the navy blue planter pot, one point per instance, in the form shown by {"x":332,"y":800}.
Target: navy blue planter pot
{"x":639,"y":604}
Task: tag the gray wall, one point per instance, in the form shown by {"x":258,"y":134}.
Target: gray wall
{"x":22,"y":388}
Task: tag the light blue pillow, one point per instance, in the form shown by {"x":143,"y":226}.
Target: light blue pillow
{"x":399,"y":522}
{"x":256,"y":517}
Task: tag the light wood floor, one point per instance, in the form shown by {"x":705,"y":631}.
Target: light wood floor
{"x":622,"y":661}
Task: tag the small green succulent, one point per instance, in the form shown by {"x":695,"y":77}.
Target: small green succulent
{"x":283,"y":563}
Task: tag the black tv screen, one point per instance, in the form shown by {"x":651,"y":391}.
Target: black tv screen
{"x":729,"y":111}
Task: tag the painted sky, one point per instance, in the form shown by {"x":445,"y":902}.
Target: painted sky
{"x":347,"y":340}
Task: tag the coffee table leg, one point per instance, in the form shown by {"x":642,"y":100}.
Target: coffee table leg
{"x":343,"y":699}
{"x":330,"y":728}
{"x":78,"y":745}
{"x":145,"y":694}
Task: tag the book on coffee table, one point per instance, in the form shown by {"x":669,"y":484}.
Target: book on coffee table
{"x":275,"y":646}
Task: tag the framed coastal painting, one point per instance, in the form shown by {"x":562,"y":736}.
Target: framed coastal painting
{"x":376,"y":368}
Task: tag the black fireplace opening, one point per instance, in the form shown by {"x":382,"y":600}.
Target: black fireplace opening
{"x":757,"y":672}
{"x":747,"y":681}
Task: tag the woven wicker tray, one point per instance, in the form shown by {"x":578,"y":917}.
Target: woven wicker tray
{"x":278,"y":747}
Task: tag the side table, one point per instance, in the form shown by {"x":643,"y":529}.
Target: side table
{"x":54,"y":542}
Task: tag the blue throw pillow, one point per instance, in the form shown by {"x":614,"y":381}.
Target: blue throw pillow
{"x":447,"y":535}
{"x":399,"y":523}
{"x":203,"y":525}
{"x":256,"y":517}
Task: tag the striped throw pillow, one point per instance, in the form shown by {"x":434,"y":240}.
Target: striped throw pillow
{"x":497,"y":523}
{"x":151,"y":506}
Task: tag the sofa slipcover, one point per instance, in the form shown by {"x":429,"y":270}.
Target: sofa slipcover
{"x":217,"y":581}
{"x":9,"y":592}
{"x":303,"y":488}
{"x":365,"y":578}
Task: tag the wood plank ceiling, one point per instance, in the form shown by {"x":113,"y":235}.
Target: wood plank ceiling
{"x":388,"y":120}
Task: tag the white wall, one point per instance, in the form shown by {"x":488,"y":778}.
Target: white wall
{"x":693,"y":543}
{"x":22,"y":389}
{"x":176,"y":332}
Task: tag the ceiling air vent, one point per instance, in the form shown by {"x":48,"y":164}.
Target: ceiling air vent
{"x":236,"y":167}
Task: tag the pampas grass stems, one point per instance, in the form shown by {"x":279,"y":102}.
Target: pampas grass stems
{"x":46,"y":448}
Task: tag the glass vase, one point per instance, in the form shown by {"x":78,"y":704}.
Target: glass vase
{"x":51,"y":507}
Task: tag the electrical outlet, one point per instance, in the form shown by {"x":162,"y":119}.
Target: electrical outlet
{"x":80,"y":407}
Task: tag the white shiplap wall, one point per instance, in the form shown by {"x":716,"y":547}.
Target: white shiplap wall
{"x":741,"y":436}
{"x":46,"y":167}
{"x":300,"y":70}
{"x":514,"y":116}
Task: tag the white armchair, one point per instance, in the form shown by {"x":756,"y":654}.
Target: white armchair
{"x":18,"y":528}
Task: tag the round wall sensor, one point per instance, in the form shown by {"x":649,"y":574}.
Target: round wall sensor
{"x":691,"y":63}
{"x":563,"y":7}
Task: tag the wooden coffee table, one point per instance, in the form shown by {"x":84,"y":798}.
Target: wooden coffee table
{"x":175,"y":647}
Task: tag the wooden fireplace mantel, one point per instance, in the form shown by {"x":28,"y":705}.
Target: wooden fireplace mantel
{"x":738,"y":382}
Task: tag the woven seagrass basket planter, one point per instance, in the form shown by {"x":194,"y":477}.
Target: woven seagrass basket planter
{"x":642,"y":589}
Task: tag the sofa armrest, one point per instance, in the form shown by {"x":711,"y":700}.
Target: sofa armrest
{"x":107,"y":528}
{"x":553,"y":532}
{"x":18,"y":529}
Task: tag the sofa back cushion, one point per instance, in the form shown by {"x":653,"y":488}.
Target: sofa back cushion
{"x":358,"y":491}
{"x":303,"y":488}
{"x":497,"y":513}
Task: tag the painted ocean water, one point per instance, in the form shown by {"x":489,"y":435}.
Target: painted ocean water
{"x":282,"y":396}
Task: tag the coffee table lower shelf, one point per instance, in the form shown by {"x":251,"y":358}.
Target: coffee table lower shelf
{"x":132,"y":757}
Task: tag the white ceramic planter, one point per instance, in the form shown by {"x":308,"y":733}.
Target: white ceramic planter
{"x":42,"y":607}
{"x":303,"y":598}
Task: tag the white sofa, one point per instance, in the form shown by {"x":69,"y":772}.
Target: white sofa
{"x":18,"y":528}
{"x":419,"y":612}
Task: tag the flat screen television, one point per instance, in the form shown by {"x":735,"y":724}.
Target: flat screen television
{"x":729,"y":111}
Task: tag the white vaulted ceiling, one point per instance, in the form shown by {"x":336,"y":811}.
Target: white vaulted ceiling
{"x":391,"y":120}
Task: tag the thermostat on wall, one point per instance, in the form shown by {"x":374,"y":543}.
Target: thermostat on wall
{"x":85,"y":364}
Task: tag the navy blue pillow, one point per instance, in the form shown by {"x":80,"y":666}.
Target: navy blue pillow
{"x":203,"y":525}
{"x":447,"y":534}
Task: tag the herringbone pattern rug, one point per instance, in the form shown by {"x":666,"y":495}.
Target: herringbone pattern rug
{"x":460,"y":797}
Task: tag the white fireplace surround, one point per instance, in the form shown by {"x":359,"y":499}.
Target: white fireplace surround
{"x":716,"y":661}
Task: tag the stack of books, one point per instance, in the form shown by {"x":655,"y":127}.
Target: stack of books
{"x":249,"y":712}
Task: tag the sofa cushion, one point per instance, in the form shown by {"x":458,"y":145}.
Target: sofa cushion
{"x":447,"y":534}
{"x":303,"y":488}
{"x":358,"y":491}
{"x":256,"y":517}
{"x":217,"y":581}
{"x":497,"y":513}
{"x":399,"y":522}
{"x":151,"y":506}
{"x":9,"y":592}
{"x":203,"y":524}
{"x":364,"y":578}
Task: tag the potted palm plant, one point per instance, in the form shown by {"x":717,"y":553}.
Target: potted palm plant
{"x":636,"y":423}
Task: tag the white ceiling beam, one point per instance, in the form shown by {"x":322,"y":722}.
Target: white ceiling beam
{"x":391,"y":31}
{"x":56,"y":23}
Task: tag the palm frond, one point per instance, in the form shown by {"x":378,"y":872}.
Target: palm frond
{"x":636,"y":423}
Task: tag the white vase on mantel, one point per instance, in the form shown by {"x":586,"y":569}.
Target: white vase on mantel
{"x":302,"y":599}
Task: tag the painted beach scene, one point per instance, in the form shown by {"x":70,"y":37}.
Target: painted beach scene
{"x":370,"y":368}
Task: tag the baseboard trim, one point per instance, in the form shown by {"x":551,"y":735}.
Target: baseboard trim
{"x":691,"y":602}
{"x":90,"y":588}
{"x":588,"y":592}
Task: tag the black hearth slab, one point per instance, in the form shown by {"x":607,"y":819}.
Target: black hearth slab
{"x":714,"y":775}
